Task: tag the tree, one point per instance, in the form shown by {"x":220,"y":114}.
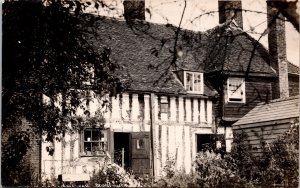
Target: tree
{"x":46,"y":52}
{"x":289,"y":11}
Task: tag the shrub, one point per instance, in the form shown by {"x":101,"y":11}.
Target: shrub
{"x":179,"y":179}
{"x":112,"y":175}
{"x":14,"y":166}
{"x":277,"y":163}
{"x":212,"y":170}
{"x":284,"y":154}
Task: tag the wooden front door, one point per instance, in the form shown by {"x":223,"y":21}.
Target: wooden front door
{"x":140,"y":153}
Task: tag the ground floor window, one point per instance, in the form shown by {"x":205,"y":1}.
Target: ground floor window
{"x":215,"y":142}
{"x":204,"y":142}
{"x":94,"y":142}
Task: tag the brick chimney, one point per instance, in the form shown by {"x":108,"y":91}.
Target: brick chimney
{"x":277,"y":50}
{"x":134,"y":9}
{"x":231,"y":9}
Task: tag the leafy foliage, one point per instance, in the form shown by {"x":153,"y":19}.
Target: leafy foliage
{"x":112,"y":175}
{"x":13,"y":161}
{"x":46,"y":53}
{"x":277,"y":163}
{"x":210,"y":170}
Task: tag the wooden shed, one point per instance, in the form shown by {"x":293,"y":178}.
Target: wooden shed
{"x":267,"y":121}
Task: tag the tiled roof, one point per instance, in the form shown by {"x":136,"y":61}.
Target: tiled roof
{"x":230,"y":49}
{"x":144,"y":53}
{"x":293,"y":68}
{"x":274,"y":110}
{"x":144,"y":50}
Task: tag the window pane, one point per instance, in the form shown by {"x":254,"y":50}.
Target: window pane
{"x":189,"y":81}
{"x":102,"y":146}
{"x":87,"y":147}
{"x":140,"y":143}
{"x":197,"y":82}
{"x":103,"y":136}
{"x":95,"y":146}
{"x":96,"y":135}
{"x":235,"y":89}
{"x":164,"y":107}
{"x":94,"y":142}
{"x":87,"y":135}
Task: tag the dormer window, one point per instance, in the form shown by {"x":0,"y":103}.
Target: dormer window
{"x":236,"y":90}
{"x":193,"y":82}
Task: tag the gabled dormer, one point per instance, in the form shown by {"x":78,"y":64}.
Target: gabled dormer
{"x":192,"y":81}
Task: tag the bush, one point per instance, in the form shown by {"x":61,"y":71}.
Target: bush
{"x":179,"y":179}
{"x":14,"y":165}
{"x":283,"y":155}
{"x":112,"y":175}
{"x":277,"y":163}
{"x":212,"y":170}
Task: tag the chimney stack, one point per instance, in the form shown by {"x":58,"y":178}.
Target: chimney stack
{"x":229,"y":10}
{"x":277,"y":50}
{"x":134,"y":9}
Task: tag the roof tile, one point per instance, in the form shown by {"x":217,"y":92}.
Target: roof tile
{"x":145,"y":52}
{"x":274,"y":110}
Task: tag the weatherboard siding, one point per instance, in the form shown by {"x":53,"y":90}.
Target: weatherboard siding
{"x":268,"y":121}
{"x":266,"y":133}
{"x":257,"y":91}
{"x":174,"y":132}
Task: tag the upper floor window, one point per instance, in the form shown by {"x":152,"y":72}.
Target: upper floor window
{"x":193,"y":82}
{"x":236,"y":90}
{"x":164,"y":105}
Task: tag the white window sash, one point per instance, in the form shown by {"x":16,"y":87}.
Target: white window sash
{"x":236,"y":93}
{"x":196,"y":87}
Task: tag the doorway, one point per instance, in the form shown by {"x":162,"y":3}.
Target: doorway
{"x":122,"y":145}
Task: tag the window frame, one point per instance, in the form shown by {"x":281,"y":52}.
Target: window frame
{"x":164,"y":105}
{"x":140,"y":144}
{"x":201,"y":87}
{"x":242,"y":87}
{"x":83,"y":141}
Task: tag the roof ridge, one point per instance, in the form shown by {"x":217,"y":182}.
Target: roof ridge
{"x":279,"y":100}
{"x":143,"y":22}
{"x":292,"y":68}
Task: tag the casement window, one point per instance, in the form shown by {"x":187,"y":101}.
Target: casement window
{"x":93,"y":142}
{"x":164,"y":105}
{"x":193,"y":82}
{"x":236,"y":90}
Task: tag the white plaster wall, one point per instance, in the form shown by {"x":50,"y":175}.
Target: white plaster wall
{"x":177,"y":137}
{"x":171,"y":141}
{"x":164,"y":145}
{"x":188,"y":110}
{"x":173,"y":109}
{"x":228,"y":138}
{"x":135,"y":111}
{"x":179,"y":146}
{"x":187,"y":149}
{"x":202,"y":111}
{"x":195,"y":111}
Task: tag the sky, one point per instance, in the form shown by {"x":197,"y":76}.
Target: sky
{"x":201,"y":15}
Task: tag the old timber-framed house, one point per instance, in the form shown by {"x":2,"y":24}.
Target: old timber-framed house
{"x":171,"y":109}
